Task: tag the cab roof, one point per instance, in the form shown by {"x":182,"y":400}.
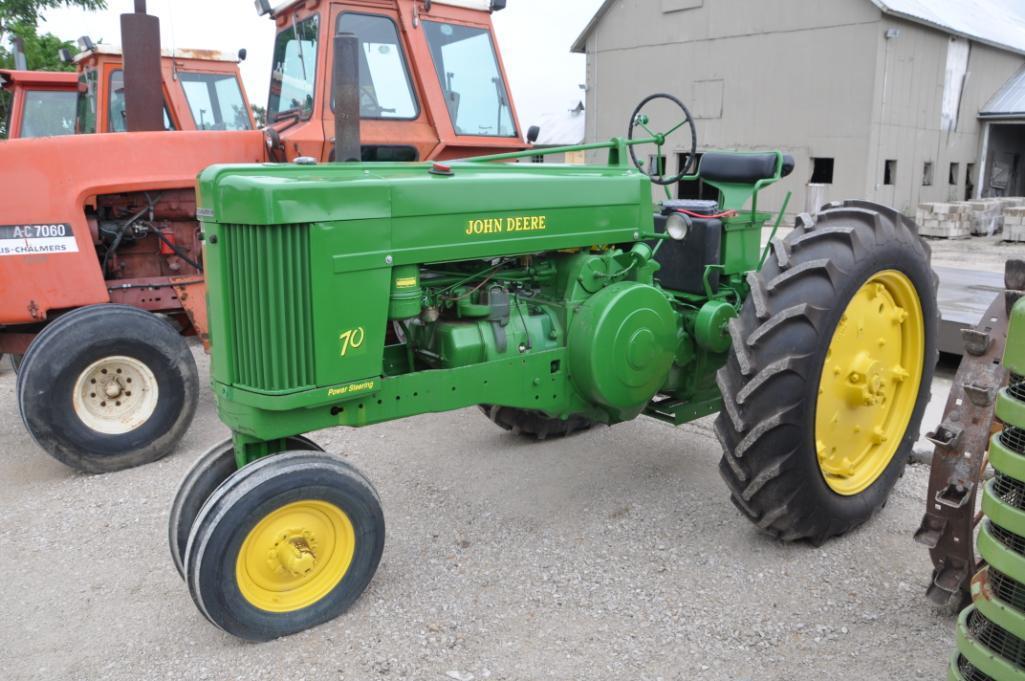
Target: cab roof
{"x":68,"y":78}
{"x":178,"y":53}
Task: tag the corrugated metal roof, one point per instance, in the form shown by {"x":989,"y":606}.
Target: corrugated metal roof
{"x":1009,"y":101}
{"x":563,"y":128}
{"x":1000,"y":23}
{"x":996,"y":22}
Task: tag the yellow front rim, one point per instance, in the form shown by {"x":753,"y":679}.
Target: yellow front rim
{"x":295,"y":556}
{"x":870,"y":382}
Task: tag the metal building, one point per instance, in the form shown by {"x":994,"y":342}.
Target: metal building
{"x":896,"y":101}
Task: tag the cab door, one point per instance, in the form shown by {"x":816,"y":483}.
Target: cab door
{"x":395,"y":124}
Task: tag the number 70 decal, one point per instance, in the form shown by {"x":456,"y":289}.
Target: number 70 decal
{"x":352,"y":339}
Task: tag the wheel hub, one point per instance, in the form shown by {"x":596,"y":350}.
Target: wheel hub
{"x":295,"y":555}
{"x":865,"y":399}
{"x":115,"y":395}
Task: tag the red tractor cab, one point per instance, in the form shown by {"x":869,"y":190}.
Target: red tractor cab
{"x":41,"y":103}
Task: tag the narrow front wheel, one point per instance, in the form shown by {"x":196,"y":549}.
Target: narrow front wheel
{"x":208,"y":472}
{"x":284,"y":544}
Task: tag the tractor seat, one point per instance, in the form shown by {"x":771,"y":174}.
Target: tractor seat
{"x":724,"y":166}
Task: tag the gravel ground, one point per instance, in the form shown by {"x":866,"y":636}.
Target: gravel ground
{"x":615,"y":554}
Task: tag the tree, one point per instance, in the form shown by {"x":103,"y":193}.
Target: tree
{"x":28,"y":12}
{"x":260,"y":114}
{"x":42,"y":52}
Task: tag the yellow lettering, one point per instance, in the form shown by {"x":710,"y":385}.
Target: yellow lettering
{"x":526,"y":223}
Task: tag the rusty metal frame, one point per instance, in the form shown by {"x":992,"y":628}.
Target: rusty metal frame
{"x":961,"y":450}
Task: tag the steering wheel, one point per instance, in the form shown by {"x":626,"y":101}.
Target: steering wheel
{"x":640,"y":120}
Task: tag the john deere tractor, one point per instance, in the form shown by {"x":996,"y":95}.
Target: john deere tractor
{"x":555,"y":298}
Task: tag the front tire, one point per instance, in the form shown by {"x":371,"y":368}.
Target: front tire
{"x":107,"y":387}
{"x":829,"y":372}
{"x":286,"y":543}
{"x":208,"y":472}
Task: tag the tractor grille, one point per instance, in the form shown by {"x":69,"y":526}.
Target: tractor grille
{"x":1013,"y":439}
{"x":268,"y":286}
{"x":969,"y":672}
{"x":1006,"y":589}
{"x":1007,"y":538}
{"x":1009,"y":490}
{"x":997,"y":639}
{"x":1016,"y":387}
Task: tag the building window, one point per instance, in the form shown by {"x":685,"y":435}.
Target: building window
{"x":822,"y":170}
{"x":969,"y":182}
{"x":890,"y":172}
{"x":955,"y":174}
{"x":927,"y":174}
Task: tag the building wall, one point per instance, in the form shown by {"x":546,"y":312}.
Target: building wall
{"x":815,"y":79}
{"x":907,"y":114}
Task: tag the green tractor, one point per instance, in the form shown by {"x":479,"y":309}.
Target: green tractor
{"x":555,"y":298}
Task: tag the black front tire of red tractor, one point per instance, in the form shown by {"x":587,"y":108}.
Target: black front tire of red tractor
{"x":100,"y":352}
{"x":535,"y":424}
{"x":215,"y":466}
{"x":771,"y":382}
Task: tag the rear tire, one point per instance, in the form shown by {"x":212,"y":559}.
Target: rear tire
{"x":286,"y":543}
{"x":534,"y":424}
{"x":208,"y":472}
{"x":15,"y":361}
{"x":107,"y":387}
{"x":780,"y":462}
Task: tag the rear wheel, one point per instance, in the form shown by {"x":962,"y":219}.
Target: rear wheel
{"x":15,"y":361}
{"x":534,"y":424}
{"x":286,"y":543}
{"x":829,"y":373}
{"x":107,"y":387}
{"x":208,"y":472}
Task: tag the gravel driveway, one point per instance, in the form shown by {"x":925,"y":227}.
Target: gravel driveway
{"x":615,"y":554}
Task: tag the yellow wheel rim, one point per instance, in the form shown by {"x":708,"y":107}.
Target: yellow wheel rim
{"x":295,"y":556}
{"x":870,"y":382}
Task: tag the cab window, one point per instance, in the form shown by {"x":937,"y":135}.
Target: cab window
{"x":467,"y":66}
{"x":85,"y":109}
{"x":294,"y":70}
{"x":117,"y":120}
{"x":385,"y":89}
{"x":215,"y":100}
{"x":48,"y":113}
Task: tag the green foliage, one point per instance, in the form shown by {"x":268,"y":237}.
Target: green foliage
{"x":41,"y":51}
{"x":260,"y":114}
{"x":29,"y":12}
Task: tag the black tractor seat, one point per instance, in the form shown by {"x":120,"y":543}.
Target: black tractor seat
{"x":725,"y":166}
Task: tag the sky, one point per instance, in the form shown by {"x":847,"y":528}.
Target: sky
{"x":534,"y":37}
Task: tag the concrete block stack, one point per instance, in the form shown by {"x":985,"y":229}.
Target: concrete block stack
{"x":944,"y":220}
{"x":986,"y":216}
{"x":1014,"y":224}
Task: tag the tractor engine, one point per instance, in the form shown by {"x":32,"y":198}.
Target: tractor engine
{"x":620,"y":336}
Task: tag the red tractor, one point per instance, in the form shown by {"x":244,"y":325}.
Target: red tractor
{"x":99,"y":241}
{"x":91,"y":100}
